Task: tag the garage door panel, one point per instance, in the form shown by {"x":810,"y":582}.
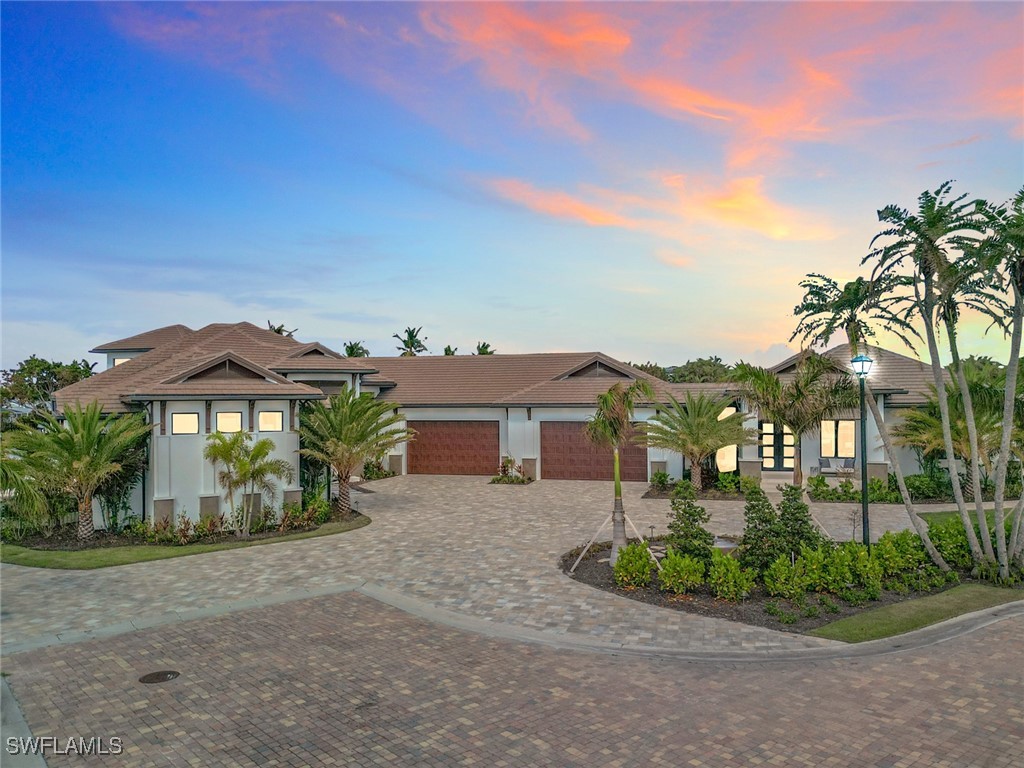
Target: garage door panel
{"x":567,"y":454}
{"x":454,"y":448}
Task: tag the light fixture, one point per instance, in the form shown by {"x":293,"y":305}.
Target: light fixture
{"x":862,"y":366}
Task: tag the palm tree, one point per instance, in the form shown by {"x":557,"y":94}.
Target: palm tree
{"x":411,"y":344}
{"x":855,"y":309}
{"x":22,"y":498}
{"x":78,"y":456}
{"x":449,"y":350}
{"x":356,"y":349}
{"x":224,"y":451}
{"x":817,"y":390}
{"x":926,"y":241}
{"x":611,"y":426}
{"x":697,"y":430}
{"x":346,"y":432}
{"x":256,"y":470}
{"x":280,"y":329}
{"x":483,"y":348}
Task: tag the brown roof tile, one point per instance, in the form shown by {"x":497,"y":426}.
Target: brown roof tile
{"x":148,"y":340}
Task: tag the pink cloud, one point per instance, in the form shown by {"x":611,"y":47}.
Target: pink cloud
{"x":557,"y":204}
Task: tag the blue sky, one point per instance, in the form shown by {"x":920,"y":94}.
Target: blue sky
{"x":648,"y":180}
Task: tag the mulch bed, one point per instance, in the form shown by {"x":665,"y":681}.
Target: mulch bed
{"x":749,"y":611}
{"x":708,"y":494}
{"x":65,"y":539}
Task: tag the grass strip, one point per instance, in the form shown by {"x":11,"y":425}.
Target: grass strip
{"x":913,"y":614}
{"x":89,"y":559}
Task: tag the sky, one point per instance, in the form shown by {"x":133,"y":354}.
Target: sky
{"x":650,"y":180}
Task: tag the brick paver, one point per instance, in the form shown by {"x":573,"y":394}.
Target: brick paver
{"x":456,"y":543}
{"x":344,"y":680}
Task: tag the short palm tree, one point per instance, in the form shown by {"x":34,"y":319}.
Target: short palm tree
{"x":697,"y":429}
{"x":817,"y":390}
{"x":449,"y":350}
{"x":256,"y":470}
{"x":483,"y":348}
{"x":22,"y":498}
{"x":410,"y":344}
{"x":77,"y":456}
{"x":612,"y":427}
{"x":356,"y":349}
{"x":347,"y":431}
{"x":224,"y":451}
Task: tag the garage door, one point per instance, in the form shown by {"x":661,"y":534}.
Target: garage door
{"x":567,"y":454}
{"x":454,"y":448}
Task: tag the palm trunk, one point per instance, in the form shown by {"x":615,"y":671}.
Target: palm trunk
{"x":1003,"y":460}
{"x":1016,"y":543}
{"x":696,"y":475}
{"x":972,"y":437}
{"x":919,"y":525}
{"x":342,"y":503}
{"x":928,"y":316}
{"x":798,"y":462}
{"x":618,"y":513}
{"x":85,"y":526}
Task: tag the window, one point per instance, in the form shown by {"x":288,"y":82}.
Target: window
{"x":838,"y":439}
{"x":184,"y":423}
{"x":229,"y":421}
{"x":271,"y":421}
{"x":726,"y":458}
{"x":119,"y":360}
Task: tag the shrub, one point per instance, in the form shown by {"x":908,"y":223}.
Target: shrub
{"x":728,"y":482}
{"x":950,"y":538}
{"x":749,"y":485}
{"x":294,"y":518}
{"x":763,"y":538}
{"x":828,"y":604}
{"x":209,"y":526}
{"x":135,"y":527}
{"x":784,"y":578}
{"x":795,"y":522}
{"x":727,"y":579}
{"x":184,"y":532}
{"x":866,"y":571}
{"x":879,"y":492}
{"x":510,"y":473}
{"x":837,"y":574}
{"x":162,"y":532}
{"x":634,"y":566}
{"x":660,"y":481}
{"x":686,"y":532}
{"x":320,"y":510}
{"x":937,"y":487}
{"x":680,"y":573}
{"x":818,"y":488}
{"x":374,"y":470}
{"x":813,"y":561}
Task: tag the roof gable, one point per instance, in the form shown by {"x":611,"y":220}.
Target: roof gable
{"x":226,"y":366}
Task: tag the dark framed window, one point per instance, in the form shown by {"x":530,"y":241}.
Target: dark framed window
{"x":838,"y":439}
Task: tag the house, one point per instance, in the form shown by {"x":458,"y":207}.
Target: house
{"x":468,"y":411}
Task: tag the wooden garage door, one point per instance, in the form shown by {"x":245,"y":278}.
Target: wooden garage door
{"x":454,"y":448}
{"x":567,"y":454}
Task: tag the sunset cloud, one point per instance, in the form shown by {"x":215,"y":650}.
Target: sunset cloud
{"x":557,"y":204}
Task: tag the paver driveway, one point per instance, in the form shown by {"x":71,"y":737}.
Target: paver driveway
{"x":488,"y":553}
{"x":344,"y":680}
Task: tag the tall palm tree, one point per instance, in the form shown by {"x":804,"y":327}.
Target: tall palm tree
{"x":22,"y":498}
{"x":346,"y":432}
{"x":280,"y":329}
{"x":697,"y":429}
{"x":925,"y":242}
{"x":78,"y":456}
{"x":483,"y":348}
{"x":256,"y":470}
{"x":224,"y":451}
{"x":611,"y":426}
{"x":855,"y":309}
{"x":449,"y":350}
{"x":410,"y":344}
{"x":356,"y":349}
{"x":817,"y":390}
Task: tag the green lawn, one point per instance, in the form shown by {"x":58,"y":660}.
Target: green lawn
{"x":87,"y":559}
{"x":913,"y":614}
{"x":941,"y":517}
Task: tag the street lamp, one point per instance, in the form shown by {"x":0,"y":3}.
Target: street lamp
{"x":862,"y":367}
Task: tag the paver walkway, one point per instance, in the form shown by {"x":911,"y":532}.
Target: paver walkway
{"x":346,"y":681}
{"x":456,"y":543}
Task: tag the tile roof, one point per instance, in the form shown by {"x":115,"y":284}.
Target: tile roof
{"x":148,"y":340}
{"x":509,"y":380}
{"x":906,"y":381}
{"x":158,"y":372}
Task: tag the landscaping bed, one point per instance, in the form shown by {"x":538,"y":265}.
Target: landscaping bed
{"x":801,"y":618}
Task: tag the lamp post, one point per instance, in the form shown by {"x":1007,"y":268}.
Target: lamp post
{"x":862,"y":367}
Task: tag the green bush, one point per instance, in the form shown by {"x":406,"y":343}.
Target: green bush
{"x":879,"y":492}
{"x":795,"y":520}
{"x":950,"y":538}
{"x":784,"y":578}
{"x":686,"y":532}
{"x":866,"y":571}
{"x":818,"y":488}
{"x":320,"y":509}
{"x":680,"y":573}
{"x":728,"y":483}
{"x":727,"y":579}
{"x":828,"y":604}
{"x":813,"y":561}
{"x":837,"y":574}
{"x":763,"y":537}
{"x":749,"y":485}
{"x":936,"y":487}
{"x":374,"y":470}
{"x":660,"y":481}
{"x":634,"y":566}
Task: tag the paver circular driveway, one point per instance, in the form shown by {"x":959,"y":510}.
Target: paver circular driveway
{"x":456,"y":546}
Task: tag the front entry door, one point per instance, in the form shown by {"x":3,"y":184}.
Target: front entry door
{"x":777,"y":447}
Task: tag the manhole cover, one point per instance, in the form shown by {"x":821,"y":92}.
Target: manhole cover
{"x":158,"y":677}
